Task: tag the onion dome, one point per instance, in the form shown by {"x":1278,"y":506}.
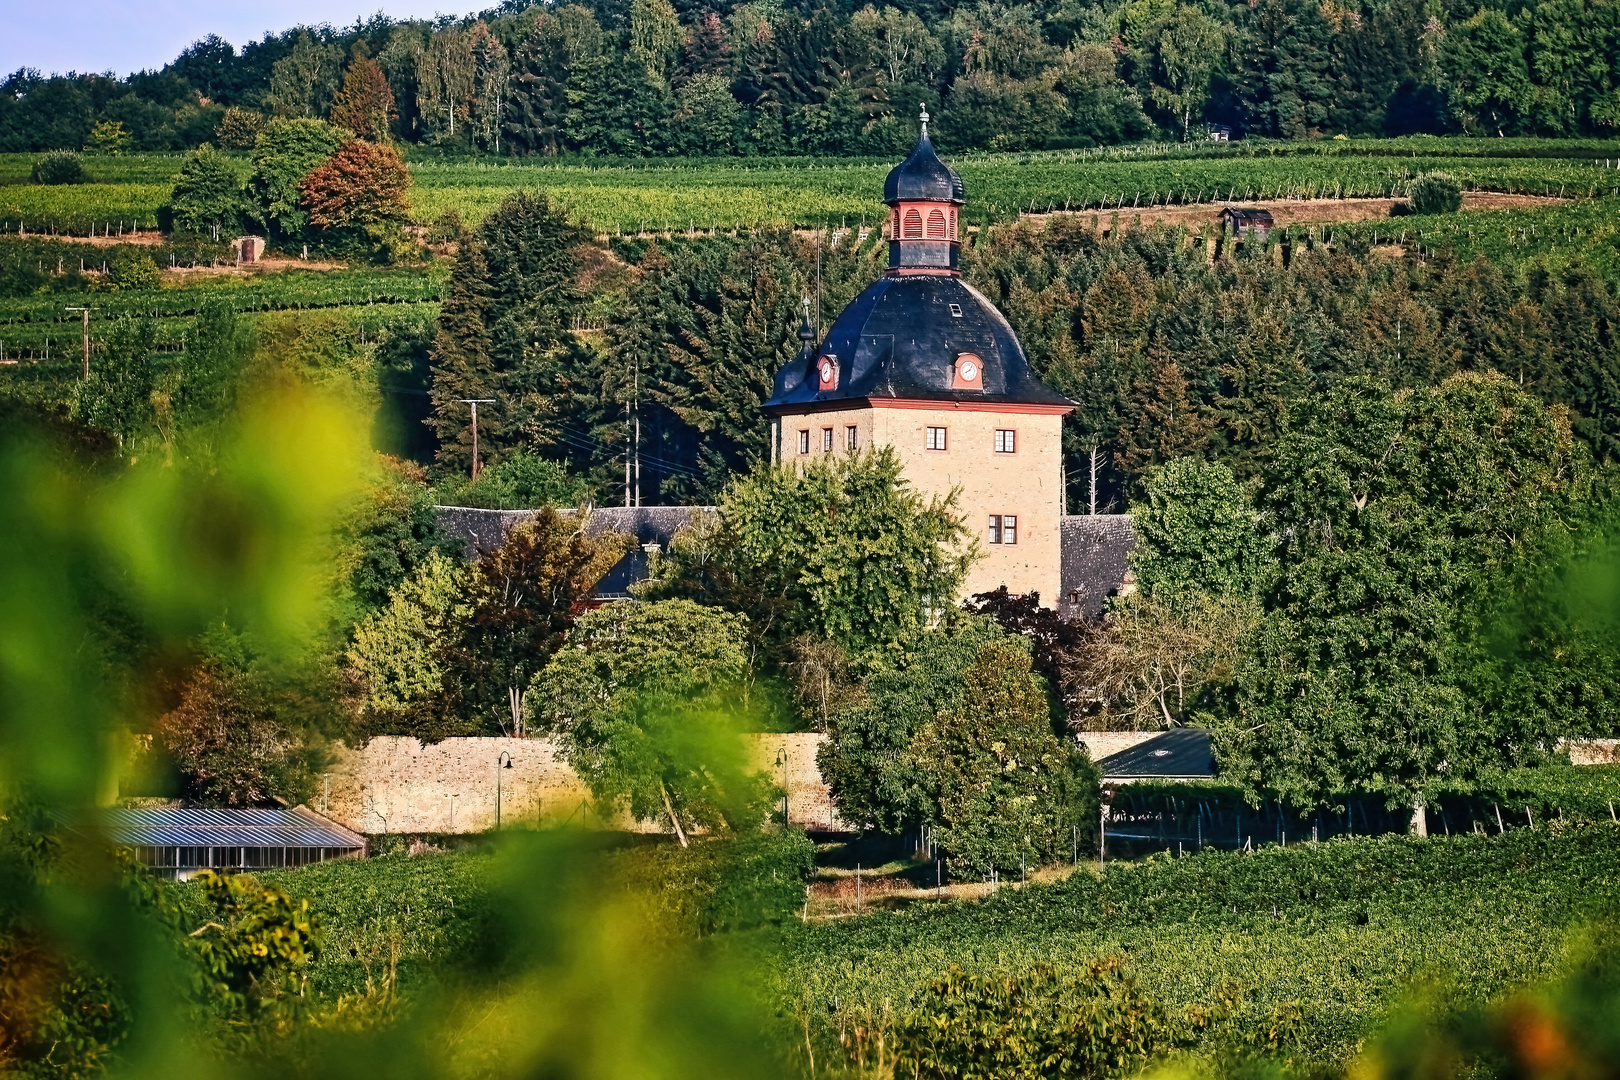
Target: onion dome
{"x":925,"y":195}
{"x":924,"y":176}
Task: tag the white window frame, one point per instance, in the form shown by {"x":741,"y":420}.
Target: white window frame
{"x":851,"y":437}
{"x":936,"y":438}
{"x":804,"y":440}
{"x":1006,"y":440}
{"x":826,"y":440}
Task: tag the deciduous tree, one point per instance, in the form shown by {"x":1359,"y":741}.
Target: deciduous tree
{"x":645,"y":702}
{"x":363,"y":184}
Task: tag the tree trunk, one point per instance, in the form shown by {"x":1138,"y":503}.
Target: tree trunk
{"x":673,"y":820}
{"x":1420,"y":818}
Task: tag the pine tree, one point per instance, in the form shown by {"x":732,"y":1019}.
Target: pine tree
{"x":1162,"y":423}
{"x":726,"y":363}
{"x":538,"y":99}
{"x":462,"y":363}
{"x":366,"y":103}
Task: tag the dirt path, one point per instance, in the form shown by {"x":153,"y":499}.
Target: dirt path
{"x":1305,"y":211}
{"x":267,"y":265}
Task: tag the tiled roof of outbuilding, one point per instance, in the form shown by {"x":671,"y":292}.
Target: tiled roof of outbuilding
{"x":1096,"y":554}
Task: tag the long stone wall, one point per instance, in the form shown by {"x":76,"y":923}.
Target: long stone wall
{"x":395,"y":784}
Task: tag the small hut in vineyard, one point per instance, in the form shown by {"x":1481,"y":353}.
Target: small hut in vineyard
{"x":1247,"y":221}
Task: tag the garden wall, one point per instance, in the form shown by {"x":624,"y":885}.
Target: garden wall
{"x":395,"y":784}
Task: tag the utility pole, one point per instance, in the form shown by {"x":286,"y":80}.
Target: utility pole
{"x":638,"y":431}
{"x":474,"y":402}
{"x":85,"y":311}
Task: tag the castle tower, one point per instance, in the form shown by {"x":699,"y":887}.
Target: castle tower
{"x":922,"y":362}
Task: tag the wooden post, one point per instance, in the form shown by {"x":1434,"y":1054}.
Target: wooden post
{"x":85,"y":311}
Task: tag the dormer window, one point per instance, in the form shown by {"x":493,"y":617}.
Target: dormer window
{"x":826,"y":373}
{"x":967,"y":373}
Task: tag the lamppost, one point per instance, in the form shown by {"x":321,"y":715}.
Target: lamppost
{"x":782,"y":760}
{"x":498,"y":768}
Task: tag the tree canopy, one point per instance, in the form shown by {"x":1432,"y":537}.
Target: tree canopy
{"x":1405,"y":524}
{"x":645,"y":701}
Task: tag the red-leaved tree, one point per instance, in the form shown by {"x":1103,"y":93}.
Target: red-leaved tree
{"x":362,"y":184}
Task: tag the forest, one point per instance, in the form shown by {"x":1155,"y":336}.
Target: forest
{"x":650,"y":78}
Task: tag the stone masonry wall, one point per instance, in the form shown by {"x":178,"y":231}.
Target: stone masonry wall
{"x":394,"y":784}
{"x":1026,"y":483}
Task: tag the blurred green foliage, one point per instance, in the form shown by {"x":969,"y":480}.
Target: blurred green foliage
{"x":1040,"y":1023}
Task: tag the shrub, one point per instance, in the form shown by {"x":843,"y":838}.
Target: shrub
{"x":1436,"y":193}
{"x":59,"y":167}
{"x":524,"y":481}
{"x":363,"y":184}
{"x":132,"y":268}
{"x":1041,"y":1023}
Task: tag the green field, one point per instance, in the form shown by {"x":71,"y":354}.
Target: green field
{"x":1325,"y":936}
{"x":374,"y":297}
{"x":730,"y":193}
{"x":1334,"y":931}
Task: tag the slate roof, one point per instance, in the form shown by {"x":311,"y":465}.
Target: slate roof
{"x":483,"y":531}
{"x":924,"y":176}
{"x":1177,"y":754}
{"x":899,"y":339}
{"x":1096,"y":551}
{"x":180,"y":826}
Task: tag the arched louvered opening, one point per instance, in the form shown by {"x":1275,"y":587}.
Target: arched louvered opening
{"x":894,"y":224}
{"x":936,"y":225}
{"x":953,"y":224}
{"x":913,"y":228}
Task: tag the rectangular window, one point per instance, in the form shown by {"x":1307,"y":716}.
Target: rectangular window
{"x":804,"y":440}
{"x":936,"y":438}
{"x":1009,"y":529}
{"x":995,"y":528}
{"x":1006,"y":441}
{"x":849,"y":437}
{"x":826,"y":440}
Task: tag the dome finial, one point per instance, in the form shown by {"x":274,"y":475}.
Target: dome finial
{"x":807,"y":331}
{"x":925,"y":120}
